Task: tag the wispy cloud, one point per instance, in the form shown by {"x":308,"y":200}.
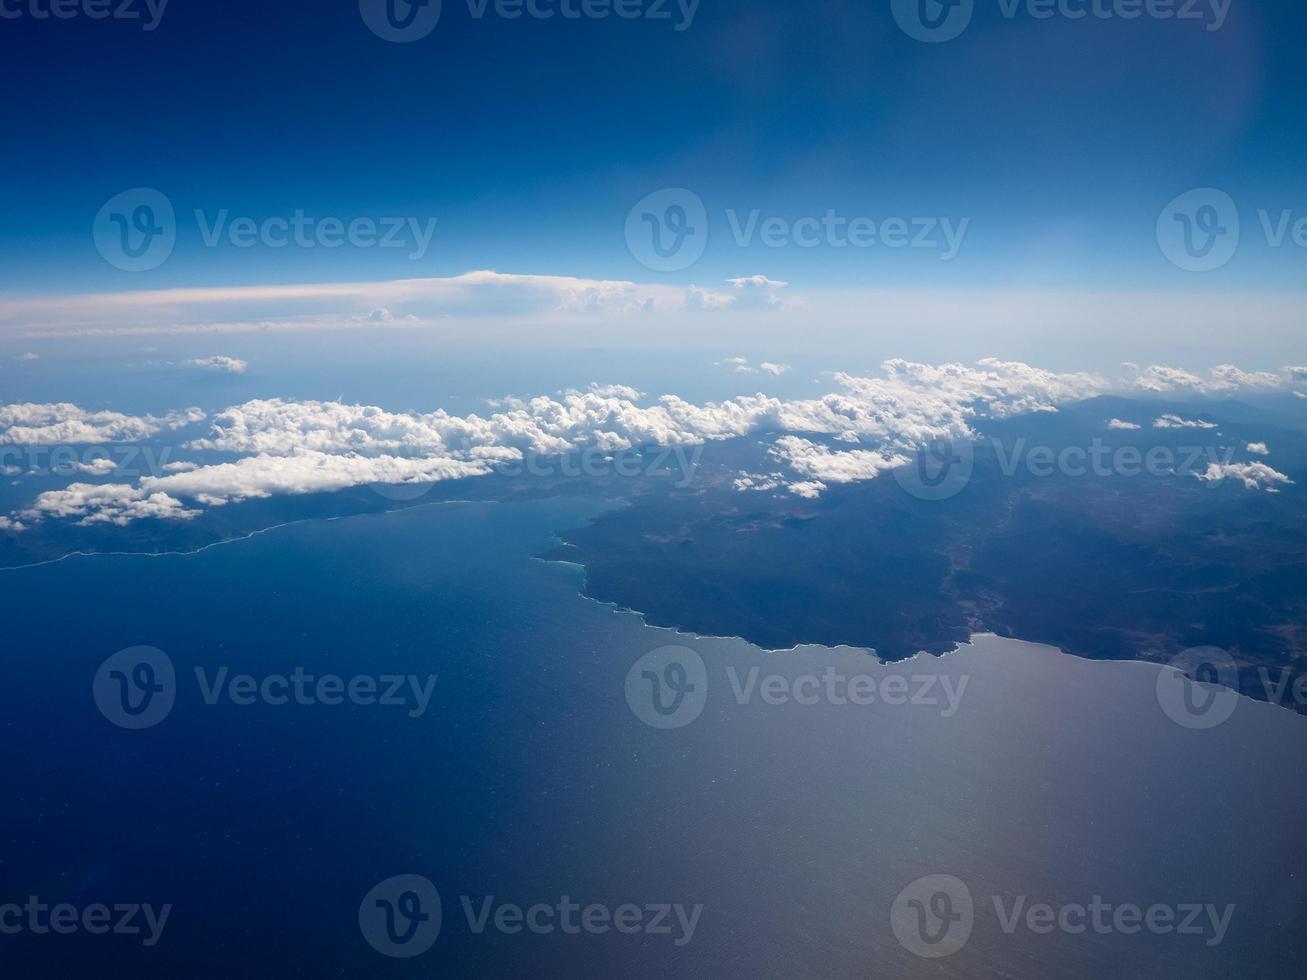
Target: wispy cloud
{"x":1222,"y":378}
{"x":1176,"y":422}
{"x":741,"y":365}
{"x":338,"y":306}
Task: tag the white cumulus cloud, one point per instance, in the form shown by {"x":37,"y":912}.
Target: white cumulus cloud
{"x":819,"y":462}
{"x":109,"y":503}
{"x":1253,"y":475}
{"x":807,"y":489}
{"x":228,"y":365}
{"x":758,"y":481}
{"x":29,"y":424}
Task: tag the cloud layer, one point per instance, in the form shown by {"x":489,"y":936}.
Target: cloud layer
{"x":286,"y":447}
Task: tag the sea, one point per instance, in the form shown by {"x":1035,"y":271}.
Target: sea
{"x":403,"y":745}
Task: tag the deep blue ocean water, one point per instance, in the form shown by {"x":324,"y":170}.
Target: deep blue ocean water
{"x":529,"y":777}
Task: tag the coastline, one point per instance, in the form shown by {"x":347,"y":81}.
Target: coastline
{"x":678,"y":630}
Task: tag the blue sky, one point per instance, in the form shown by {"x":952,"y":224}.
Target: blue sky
{"x":1059,"y":140}
{"x":1023,"y":191}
